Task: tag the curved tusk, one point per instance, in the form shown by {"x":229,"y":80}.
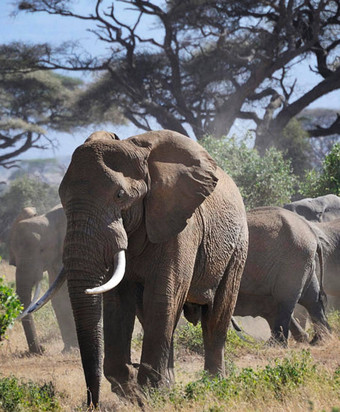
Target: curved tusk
{"x":118,"y":274}
{"x":36,"y":292}
{"x":56,"y":285}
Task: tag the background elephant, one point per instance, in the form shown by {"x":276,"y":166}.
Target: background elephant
{"x":160,"y":198}
{"x":318,"y":209}
{"x":280,"y":272}
{"x":329,"y":236}
{"x":35,"y":246}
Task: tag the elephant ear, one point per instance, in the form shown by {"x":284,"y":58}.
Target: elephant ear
{"x":182,"y":174}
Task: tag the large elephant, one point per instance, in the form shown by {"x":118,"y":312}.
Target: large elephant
{"x":318,"y":209}
{"x":280,"y":272}
{"x":160,"y":200}
{"x":35,"y":246}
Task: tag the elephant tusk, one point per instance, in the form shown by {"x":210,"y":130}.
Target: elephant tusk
{"x":56,"y":285}
{"x":36,"y":293}
{"x":118,"y":274}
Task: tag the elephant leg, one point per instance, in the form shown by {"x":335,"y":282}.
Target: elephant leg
{"x":119,"y":317}
{"x":141,"y":319}
{"x":24,"y":291}
{"x":282,"y":322}
{"x":216,"y":318}
{"x":31,"y":335}
{"x":312,"y":301}
{"x":162,"y":307}
{"x":63,"y":311}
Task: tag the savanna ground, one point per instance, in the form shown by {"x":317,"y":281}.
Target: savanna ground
{"x":260,"y":378}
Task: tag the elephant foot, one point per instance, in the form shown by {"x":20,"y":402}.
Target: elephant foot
{"x":149,"y":377}
{"x":36,"y":350}
{"x":126,"y":385}
{"x":320,"y":337}
{"x":302,"y":338}
{"x":275,"y":342}
{"x":69,"y":348}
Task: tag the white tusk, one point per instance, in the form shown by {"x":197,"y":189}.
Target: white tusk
{"x":56,"y":285}
{"x":118,"y":274}
{"x":36,"y":292}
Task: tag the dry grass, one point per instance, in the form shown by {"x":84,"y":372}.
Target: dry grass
{"x":66,"y":373}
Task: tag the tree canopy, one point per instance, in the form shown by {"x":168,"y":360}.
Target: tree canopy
{"x":31,"y":102}
{"x":197,"y":66}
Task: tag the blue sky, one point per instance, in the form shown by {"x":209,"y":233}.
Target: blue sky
{"x":53,"y":29}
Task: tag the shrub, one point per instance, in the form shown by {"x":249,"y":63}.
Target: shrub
{"x":319,"y":183}
{"x":263,"y":181}
{"x":287,"y":373}
{"x":10,"y":307}
{"x":271,"y":384}
{"x":18,"y":396}
{"x":190,"y":337}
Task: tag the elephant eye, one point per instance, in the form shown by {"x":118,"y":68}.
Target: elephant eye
{"x":120,"y":193}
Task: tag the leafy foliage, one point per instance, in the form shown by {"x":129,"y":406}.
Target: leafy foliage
{"x":190,"y":338}
{"x":295,"y":145}
{"x":285,"y":373}
{"x":274,"y":382}
{"x":319,"y":183}
{"x":16,"y":396}
{"x":263,"y":180}
{"x":10,"y":308}
{"x":29,"y":104}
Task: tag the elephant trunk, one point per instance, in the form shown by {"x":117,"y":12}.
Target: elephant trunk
{"x":85,"y":269}
{"x":89,"y":250}
{"x":87,"y":312}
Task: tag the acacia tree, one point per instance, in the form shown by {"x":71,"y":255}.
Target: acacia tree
{"x":29,"y":104}
{"x":208,"y":63}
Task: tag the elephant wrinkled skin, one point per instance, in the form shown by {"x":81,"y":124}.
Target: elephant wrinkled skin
{"x":35,"y":246}
{"x":181,"y":221}
{"x":280,"y":272}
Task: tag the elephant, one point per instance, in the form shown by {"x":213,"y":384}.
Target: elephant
{"x":318,"y":209}
{"x":329,"y":235}
{"x":173,"y":224}
{"x":35,"y":246}
{"x":280,"y":272}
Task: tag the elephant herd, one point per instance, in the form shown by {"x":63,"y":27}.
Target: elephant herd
{"x":150,"y":226}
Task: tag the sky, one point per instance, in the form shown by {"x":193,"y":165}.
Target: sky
{"x":53,"y":29}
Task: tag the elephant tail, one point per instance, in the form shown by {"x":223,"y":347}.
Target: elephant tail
{"x":322,"y":293}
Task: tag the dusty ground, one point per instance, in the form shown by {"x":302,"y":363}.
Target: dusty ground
{"x":66,"y":373}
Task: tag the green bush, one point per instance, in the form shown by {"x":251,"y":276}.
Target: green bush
{"x":18,"y":396}
{"x":273,"y":382}
{"x":28,"y":191}
{"x":319,"y":183}
{"x":10,"y":307}
{"x":190,"y":337}
{"x":263,"y":181}
{"x":287,"y":373}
